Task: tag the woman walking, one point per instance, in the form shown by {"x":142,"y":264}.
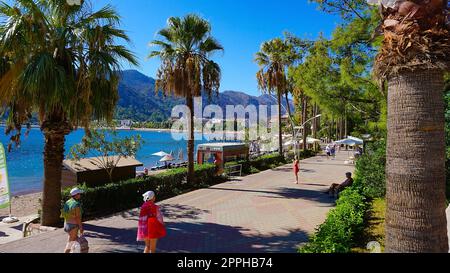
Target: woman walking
{"x":296,"y":169}
{"x":151,"y":224}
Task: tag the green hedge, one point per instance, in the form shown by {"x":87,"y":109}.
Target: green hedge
{"x":116,"y":197}
{"x":346,"y":222}
{"x":343,"y":224}
{"x":267,"y":162}
{"x":371,"y":170}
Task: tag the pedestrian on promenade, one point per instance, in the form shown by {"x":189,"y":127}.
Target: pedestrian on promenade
{"x":296,"y":168}
{"x":328,"y":150}
{"x":151,"y":224}
{"x":333,"y":151}
{"x":335,"y":189}
{"x":72,"y":215}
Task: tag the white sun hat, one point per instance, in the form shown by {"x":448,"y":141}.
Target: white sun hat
{"x":75,"y":191}
{"x":148,"y":195}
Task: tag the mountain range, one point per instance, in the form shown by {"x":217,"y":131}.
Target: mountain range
{"x":138,"y":100}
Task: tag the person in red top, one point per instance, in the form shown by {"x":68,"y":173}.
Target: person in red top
{"x":296,"y":168}
{"x":151,"y":224}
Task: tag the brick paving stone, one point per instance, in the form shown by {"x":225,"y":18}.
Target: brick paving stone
{"x":265,"y":212}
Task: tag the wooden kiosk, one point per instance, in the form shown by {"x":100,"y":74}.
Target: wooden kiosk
{"x":221,"y":153}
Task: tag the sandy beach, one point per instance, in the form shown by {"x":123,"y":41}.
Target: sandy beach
{"x":23,"y":205}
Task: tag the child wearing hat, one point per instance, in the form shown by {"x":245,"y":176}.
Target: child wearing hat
{"x":151,"y":224}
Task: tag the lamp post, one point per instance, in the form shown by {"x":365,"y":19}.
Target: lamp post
{"x":302,"y":127}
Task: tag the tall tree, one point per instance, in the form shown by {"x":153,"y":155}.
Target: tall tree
{"x":412,"y":60}
{"x":62,"y":61}
{"x":273,"y":59}
{"x":186,"y":69}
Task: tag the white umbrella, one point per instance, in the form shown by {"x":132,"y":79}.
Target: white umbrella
{"x":358,"y":141}
{"x":347,"y":141}
{"x":310,"y":140}
{"x":161,"y":154}
{"x":167,"y":158}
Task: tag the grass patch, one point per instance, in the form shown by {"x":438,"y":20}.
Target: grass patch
{"x":374,"y":226}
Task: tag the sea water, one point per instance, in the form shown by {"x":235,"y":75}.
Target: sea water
{"x":26,"y":167}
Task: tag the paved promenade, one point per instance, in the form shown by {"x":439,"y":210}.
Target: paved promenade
{"x":265,"y":212}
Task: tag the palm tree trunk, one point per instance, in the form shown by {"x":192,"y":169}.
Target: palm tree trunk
{"x":415,"y":170}
{"x":54,"y":134}
{"x":190,"y":142}
{"x":280,"y":133}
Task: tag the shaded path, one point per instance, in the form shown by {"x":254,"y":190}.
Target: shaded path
{"x":265,"y":212}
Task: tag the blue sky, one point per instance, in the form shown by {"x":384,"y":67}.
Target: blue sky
{"x":239,"y":25}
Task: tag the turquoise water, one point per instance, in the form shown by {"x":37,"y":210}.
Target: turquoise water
{"x":25,"y":164}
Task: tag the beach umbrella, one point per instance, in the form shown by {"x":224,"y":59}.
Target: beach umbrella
{"x":161,"y":154}
{"x":347,"y":141}
{"x":310,"y":140}
{"x":358,"y":141}
{"x":167,"y":158}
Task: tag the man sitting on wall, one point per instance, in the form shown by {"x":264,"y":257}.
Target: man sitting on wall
{"x":335,"y":189}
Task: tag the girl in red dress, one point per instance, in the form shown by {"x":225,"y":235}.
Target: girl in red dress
{"x":296,"y":169}
{"x":151,"y":224}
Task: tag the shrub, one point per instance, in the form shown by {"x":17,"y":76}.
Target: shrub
{"x":267,"y":162}
{"x":346,"y":222}
{"x":370,"y":170}
{"x":343,"y":223}
{"x":116,"y":197}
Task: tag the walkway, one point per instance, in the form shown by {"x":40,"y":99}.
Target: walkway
{"x":265,"y":212}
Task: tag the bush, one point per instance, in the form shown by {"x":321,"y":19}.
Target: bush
{"x":371,"y":170}
{"x":346,"y":222}
{"x":116,"y":197}
{"x":267,"y":162}
{"x":343,"y":224}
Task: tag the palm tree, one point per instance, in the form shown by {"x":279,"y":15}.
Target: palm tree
{"x":413,"y":59}
{"x":186,"y":68}
{"x":273,"y":59}
{"x":62,"y":61}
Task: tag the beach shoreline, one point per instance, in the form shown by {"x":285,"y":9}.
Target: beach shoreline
{"x":150,"y":130}
{"x":23,"y":205}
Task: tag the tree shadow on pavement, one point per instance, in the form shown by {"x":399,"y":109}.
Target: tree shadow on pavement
{"x":216,"y":238}
{"x":178,"y":211}
{"x":290,"y":170}
{"x":122,"y":239}
{"x":289,"y":193}
{"x":170,"y":211}
{"x":188,"y":237}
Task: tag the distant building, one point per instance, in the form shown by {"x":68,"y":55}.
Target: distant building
{"x":126,"y":123}
{"x":87,"y":171}
{"x":222,"y":153}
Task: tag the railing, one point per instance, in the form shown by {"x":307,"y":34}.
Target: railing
{"x":234,"y":170}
